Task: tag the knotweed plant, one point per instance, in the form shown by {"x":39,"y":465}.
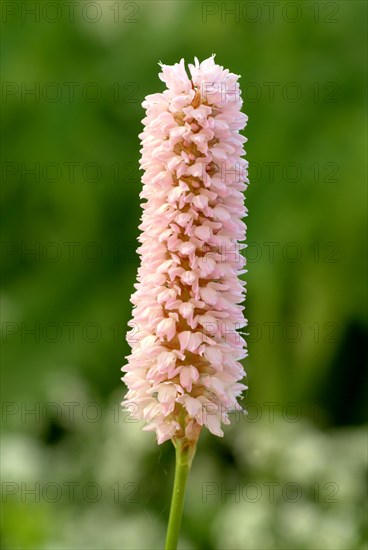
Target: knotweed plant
{"x":184,"y":372}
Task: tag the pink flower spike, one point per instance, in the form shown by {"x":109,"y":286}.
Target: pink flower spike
{"x":184,"y":372}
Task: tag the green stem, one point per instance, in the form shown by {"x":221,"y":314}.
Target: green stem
{"x":184,"y":456}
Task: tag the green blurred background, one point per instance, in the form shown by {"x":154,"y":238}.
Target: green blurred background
{"x":76,"y":474}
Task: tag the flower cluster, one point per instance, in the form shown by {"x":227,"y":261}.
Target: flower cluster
{"x":184,"y":370}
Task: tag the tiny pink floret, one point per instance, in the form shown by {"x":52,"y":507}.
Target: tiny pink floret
{"x":184,"y":371}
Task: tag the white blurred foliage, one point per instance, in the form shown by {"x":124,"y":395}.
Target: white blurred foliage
{"x":114,"y":450}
